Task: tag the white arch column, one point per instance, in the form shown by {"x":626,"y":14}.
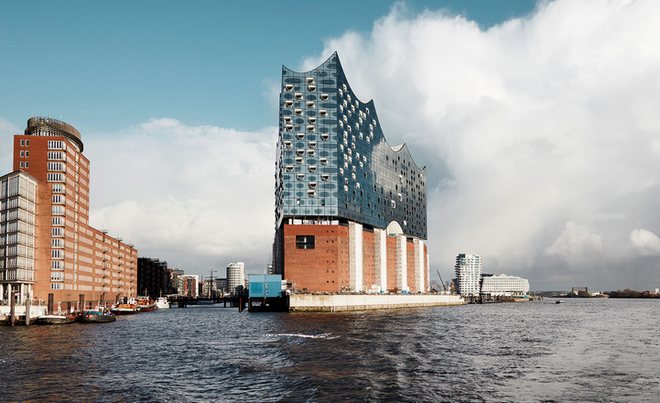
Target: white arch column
{"x":401,"y":263}
{"x":380,"y":240}
{"x":355,"y":250}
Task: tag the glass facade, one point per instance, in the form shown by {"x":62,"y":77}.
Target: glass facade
{"x":333,"y":160}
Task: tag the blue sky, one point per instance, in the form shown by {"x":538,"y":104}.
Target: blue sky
{"x":103,"y":66}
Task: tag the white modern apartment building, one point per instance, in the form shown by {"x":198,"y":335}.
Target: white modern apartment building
{"x":504,"y":285}
{"x":18,"y":192}
{"x":468,"y":274}
{"x":235,"y":276}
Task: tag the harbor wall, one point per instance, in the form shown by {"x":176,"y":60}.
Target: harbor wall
{"x":362,"y":302}
{"x":35,"y":310}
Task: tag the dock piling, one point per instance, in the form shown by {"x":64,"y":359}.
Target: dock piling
{"x":27,"y":312}
{"x":12,"y":308}
{"x":51,"y":299}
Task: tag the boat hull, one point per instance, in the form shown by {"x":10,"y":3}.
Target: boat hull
{"x":55,"y":319}
{"x":87,"y":317}
{"x":123,"y":311}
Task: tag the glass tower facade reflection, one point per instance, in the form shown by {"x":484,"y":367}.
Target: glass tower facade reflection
{"x":333,"y":161}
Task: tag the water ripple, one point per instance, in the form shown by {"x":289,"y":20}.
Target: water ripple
{"x":583,"y":350}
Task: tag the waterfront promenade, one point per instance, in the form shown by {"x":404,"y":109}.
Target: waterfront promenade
{"x":582,"y":350}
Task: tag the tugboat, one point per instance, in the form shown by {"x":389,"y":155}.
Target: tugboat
{"x":98,"y":315}
{"x":54,"y":319}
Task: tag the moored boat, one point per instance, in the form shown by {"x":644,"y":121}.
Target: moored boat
{"x":162,"y":303}
{"x":55,"y":319}
{"x":98,"y":315}
{"x":124,"y":309}
{"x":146,"y":304}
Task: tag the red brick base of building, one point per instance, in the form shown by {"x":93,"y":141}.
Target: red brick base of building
{"x":349,"y":257}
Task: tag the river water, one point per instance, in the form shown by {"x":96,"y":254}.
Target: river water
{"x":582,"y":350}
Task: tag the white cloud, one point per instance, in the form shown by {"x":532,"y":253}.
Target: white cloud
{"x":197,"y":196}
{"x":528,"y":125}
{"x":646,"y":242}
{"x":575,"y":240}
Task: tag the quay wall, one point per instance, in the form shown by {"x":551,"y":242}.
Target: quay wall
{"x":362,"y":302}
{"x":35,"y":310}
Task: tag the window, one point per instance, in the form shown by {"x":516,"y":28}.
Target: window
{"x":55,"y":155}
{"x":55,"y":177}
{"x":305,"y":241}
{"x":56,"y":145}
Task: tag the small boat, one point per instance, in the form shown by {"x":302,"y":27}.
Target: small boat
{"x":559,"y":301}
{"x":125,"y":309}
{"x":163,"y":303}
{"x":98,"y":315}
{"x":55,"y":319}
{"x":146,"y":304}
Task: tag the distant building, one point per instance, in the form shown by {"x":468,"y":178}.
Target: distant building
{"x":235,"y":276}
{"x":468,"y":274}
{"x":221,"y":285}
{"x":504,"y":285}
{"x":190,"y":285}
{"x":154,"y":277}
{"x":577,"y":290}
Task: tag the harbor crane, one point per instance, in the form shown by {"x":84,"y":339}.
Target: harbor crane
{"x":441,"y":282}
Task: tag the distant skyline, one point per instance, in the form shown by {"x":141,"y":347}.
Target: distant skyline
{"x":538,"y":122}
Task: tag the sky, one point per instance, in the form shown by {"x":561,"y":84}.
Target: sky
{"x":537,"y":120}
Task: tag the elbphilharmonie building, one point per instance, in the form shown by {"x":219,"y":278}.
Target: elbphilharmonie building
{"x":350,"y":209}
